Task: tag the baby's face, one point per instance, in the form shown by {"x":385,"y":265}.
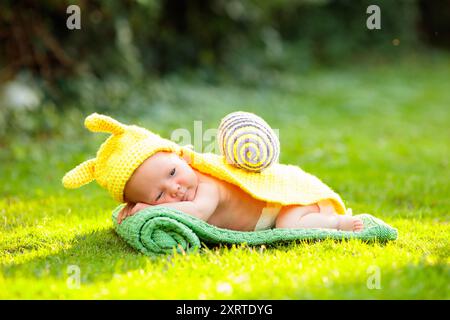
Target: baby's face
{"x":162,"y":178}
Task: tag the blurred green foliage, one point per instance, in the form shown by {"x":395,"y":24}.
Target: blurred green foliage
{"x":159,"y":36}
{"x":378,"y":135}
{"x":124,"y":45}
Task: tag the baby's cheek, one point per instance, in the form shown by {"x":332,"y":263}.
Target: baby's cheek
{"x":182,"y":181}
{"x":170,"y":199}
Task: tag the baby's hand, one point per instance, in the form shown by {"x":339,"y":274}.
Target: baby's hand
{"x":129,"y":210}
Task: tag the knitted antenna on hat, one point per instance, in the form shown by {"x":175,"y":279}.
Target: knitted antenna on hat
{"x":85,"y":172}
{"x":118,"y":157}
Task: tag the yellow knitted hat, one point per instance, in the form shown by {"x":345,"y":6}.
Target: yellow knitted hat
{"x":118,"y":157}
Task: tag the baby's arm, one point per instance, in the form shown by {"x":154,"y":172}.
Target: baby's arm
{"x":203,"y":206}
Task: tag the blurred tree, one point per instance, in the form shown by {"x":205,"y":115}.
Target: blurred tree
{"x":435,"y":22}
{"x":135,"y":38}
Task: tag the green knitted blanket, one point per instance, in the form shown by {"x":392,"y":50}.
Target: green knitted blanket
{"x":158,"y":230}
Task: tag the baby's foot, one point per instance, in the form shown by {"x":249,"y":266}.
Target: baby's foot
{"x":349,"y":223}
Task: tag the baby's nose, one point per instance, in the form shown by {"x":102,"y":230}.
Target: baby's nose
{"x":175,"y":188}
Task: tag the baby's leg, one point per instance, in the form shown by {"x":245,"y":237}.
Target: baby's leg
{"x":310,"y":217}
{"x":305,"y":217}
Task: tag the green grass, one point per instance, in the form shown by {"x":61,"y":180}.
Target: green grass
{"x":378,"y":135}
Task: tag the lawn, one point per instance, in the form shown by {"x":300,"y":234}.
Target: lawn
{"x":377,"y":134}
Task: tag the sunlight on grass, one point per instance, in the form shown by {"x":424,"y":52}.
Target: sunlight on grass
{"x":378,"y":137}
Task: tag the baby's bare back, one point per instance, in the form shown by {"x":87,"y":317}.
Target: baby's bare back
{"x":236,"y":210}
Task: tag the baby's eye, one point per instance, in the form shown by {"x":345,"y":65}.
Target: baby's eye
{"x":159,"y":196}
{"x":172,"y":173}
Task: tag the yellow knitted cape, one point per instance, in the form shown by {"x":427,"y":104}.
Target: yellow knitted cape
{"x":279,"y":183}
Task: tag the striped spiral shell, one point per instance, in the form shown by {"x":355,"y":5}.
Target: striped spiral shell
{"x":247,"y":141}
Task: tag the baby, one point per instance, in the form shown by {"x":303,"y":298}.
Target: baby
{"x":166,"y":179}
{"x":142,"y":169}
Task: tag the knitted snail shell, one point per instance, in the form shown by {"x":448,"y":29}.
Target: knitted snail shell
{"x":247,"y":141}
